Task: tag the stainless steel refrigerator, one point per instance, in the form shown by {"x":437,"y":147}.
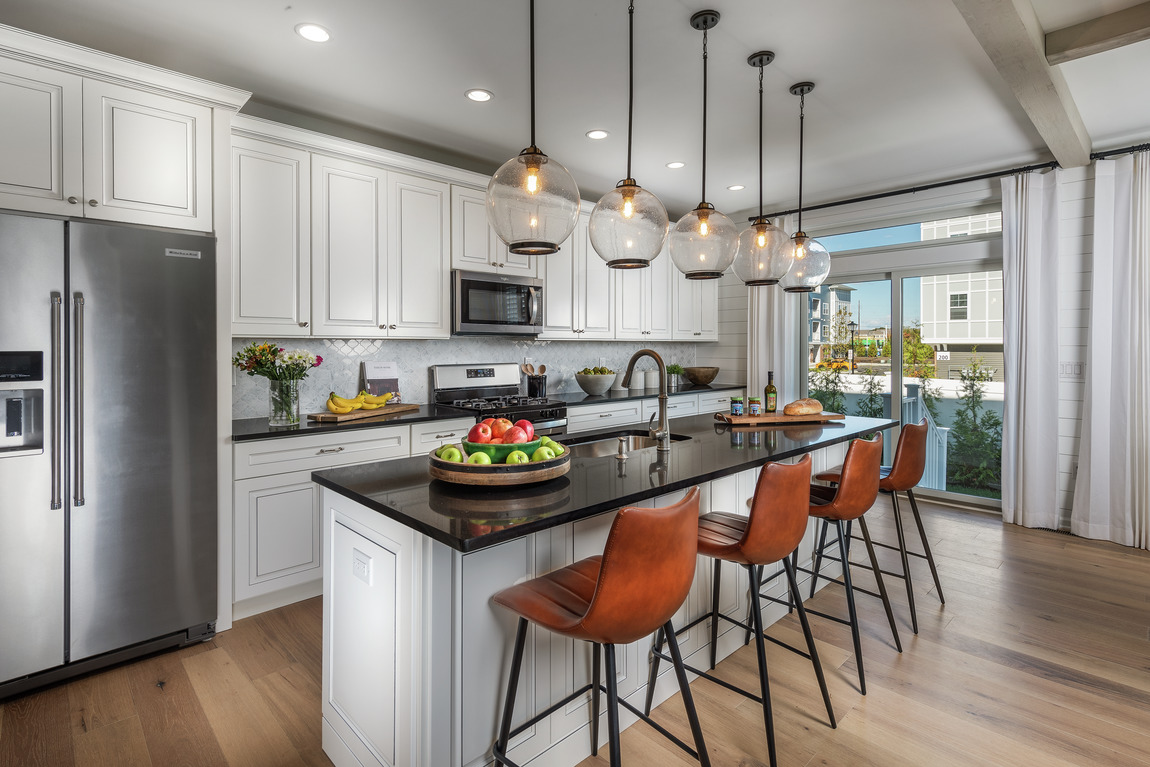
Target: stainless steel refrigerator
{"x":108,"y":449}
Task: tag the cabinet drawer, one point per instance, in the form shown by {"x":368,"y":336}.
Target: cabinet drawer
{"x":276,"y":456}
{"x":425,"y":437}
{"x":680,"y":405}
{"x":590,"y":417}
{"x":718,"y":402}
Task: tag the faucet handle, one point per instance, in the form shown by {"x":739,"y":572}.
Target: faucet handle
{"x":652,"y":430}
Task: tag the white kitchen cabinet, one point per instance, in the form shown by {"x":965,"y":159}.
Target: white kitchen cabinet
{"x":474,"y":245}
{"x":579,"y":290}
{"x":425,"y":437}
{"x":696,"y":309}
{"x":603,"y":415}
{"x":78,"y":146}
{"x":271,"y":239}
{"x":717,"y":401}
{"x":677,"y":406}
{"x":418,"y":258}
{"x":643,"y":300}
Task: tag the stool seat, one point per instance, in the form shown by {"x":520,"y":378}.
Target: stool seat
{"x":835,"y":474}
{"x":557,"y":601}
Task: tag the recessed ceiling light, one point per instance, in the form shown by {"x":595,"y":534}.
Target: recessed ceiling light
{"x":313,"y":32}
{"x":736,"y":187}
{"x":675,"y":165}
{"x":597,"y":134}
{"x":478,"y":94}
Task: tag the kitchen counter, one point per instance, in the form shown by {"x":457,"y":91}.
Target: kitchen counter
{"x":612,"y":395}
{"x":469,"y":518}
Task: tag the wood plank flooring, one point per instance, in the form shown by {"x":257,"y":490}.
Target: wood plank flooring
{"x":1041,"y":656}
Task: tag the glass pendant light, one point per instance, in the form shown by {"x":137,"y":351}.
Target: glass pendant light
{"x":810,"y":261}
{"x":704,"y":242}
{"x":532,"y":200}
{"x":629,"y":224}
{"x":764,"y":249}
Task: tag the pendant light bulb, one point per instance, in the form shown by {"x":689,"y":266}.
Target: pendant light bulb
{"x":532,"y":200}
{"x":629,"y":224}
{"x":704,"y":242}
{"x":810,"y":261}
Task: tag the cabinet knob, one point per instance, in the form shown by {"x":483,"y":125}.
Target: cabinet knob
{"x":303,"y":324}
{"x":93,"y":203}
{"x":391,"y":327}
{"x":73,"y":201}
{"x":383,"y":327}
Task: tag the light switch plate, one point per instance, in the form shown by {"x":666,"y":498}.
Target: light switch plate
{"x":361,"y":566}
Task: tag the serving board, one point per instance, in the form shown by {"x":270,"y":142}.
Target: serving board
{"x":357,"y":415}
{"x":777,"y":419}
{"x":497,"y":474}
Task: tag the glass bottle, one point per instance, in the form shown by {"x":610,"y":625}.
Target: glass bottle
{"x":770,"y":394}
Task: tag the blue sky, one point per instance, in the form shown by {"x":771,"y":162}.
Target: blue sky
{"x":871,"y":300}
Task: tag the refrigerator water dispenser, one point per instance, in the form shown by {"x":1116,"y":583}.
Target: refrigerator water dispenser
{"x":22,"y":427}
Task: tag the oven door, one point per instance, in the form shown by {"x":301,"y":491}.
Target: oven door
{"x":496,"y":304}
{"x":551,"y":428}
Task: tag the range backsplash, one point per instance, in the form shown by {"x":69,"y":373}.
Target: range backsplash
{"x":341,"y":357}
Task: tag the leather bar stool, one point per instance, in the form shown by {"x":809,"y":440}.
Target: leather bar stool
{"x":776,"y":525}
{"x":638,"y":583}
{"x":902,"y":476}
{"x":856,"y":492}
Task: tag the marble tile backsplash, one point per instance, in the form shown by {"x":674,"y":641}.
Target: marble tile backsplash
{"x":342,"y":357}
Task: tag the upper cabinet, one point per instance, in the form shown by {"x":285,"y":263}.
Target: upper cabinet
{"x":643,"y":301}
{"x":474,"y":245}
{"x":578,"y":289}
{"x":696,"y":309}
{"x":418,"y":265}
{"x":74,"y":143}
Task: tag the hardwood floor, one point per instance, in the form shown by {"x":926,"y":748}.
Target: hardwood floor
{"x":1041,"y":656}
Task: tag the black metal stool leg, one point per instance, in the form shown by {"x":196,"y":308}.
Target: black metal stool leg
{"x":790,"y":597}
{"x":596,"y":662}
{"x":811,"y":649}
{"x":881,"y":586}
{"x":851,"y":604}
{"x":905,"y":562}
{"x":925,"y":544}
{"x":653,"y":671}
{"x":613,"y":707}
{"x":756,"y":603}
{"x":818,"y":558}
{"x":764,"y":683}
{"x":717,"y":575}
{"x":688,"y":700}
{"x":512,"y":686}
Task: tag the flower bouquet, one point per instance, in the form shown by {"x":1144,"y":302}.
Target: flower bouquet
{"x":284,"y":370}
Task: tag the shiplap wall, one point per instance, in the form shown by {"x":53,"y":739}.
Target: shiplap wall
{"x":730,"y":353}
{"x":1075,"y":258}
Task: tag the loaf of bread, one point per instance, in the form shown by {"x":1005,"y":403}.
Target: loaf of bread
{"x":806,"y":406}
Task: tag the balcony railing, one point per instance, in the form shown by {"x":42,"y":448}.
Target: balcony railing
{"x":913,"y":411}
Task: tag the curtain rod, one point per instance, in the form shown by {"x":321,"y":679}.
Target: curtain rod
{"x":1123,"y":150}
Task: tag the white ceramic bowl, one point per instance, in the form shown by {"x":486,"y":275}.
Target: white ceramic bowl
{"x":595,"y":384}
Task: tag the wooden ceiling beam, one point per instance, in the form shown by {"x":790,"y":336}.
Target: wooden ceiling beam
{"x":1104,"y":33}
{"x":1009,"y":32}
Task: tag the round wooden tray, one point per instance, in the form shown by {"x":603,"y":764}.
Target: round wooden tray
{"x":497,"y":474}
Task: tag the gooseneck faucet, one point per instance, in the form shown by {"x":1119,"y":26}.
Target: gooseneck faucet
{"x":662,"y":434}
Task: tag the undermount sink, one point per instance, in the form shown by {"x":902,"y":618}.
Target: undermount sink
{"x":603,"y":445}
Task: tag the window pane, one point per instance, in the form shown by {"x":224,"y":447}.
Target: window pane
{"x":982,"y":223}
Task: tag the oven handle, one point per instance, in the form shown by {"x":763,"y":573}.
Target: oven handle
{"x":547,"y":428}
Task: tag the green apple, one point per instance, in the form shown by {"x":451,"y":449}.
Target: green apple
{"x":517,"y":456}
{"x":543,"y":453}
{"x":545,"y":440}
{"x":556,"y":448}
{"x":452,"y":454}
{"x":479,"y":458}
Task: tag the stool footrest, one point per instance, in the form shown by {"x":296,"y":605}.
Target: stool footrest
{"x":659,"y":728}
{"x":909,"y":553}
{"x":716,"y":680}
{"x":548,"y":712}
{"x":829,"y":617}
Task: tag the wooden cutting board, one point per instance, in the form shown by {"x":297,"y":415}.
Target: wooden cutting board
{"x":777,"y":419}
{"x":357,"y":415}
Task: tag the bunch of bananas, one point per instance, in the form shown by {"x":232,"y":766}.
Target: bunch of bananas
{"x":362,"y":401}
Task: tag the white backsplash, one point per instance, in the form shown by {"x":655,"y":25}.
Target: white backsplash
{"x":342,"y":357}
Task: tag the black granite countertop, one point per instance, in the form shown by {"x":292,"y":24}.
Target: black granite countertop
{"x":469,"y":518}
{"x":613,"y":395}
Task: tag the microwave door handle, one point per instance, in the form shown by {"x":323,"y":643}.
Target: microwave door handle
{"x":531,"y":291}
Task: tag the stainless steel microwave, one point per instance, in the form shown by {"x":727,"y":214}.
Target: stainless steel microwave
{"x":495,"y":304}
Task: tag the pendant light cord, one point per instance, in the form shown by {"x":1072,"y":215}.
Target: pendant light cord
{"x":704,"y":180}
{"x":802,"y":118}
{"x":533,"y":73}
{"x":630,"y":81}
{"x":760,"y":142}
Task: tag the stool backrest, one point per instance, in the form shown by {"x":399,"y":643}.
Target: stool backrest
{"x":858,"y":483}
{"x":909,"y":458}
{"x":647,"y":569}
{"x":778,"y":511}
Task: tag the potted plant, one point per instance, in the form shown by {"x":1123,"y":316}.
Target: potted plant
{"x":284,"y":370}
{"x":674,"y":375}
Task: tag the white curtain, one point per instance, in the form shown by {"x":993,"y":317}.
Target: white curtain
{"x":1030,"y":348}
{"x":773,"y":338}
{"x":1112,"y":491}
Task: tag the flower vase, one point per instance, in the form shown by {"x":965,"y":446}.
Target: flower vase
{"x":283,"y":402}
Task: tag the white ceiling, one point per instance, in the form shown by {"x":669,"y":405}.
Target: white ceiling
{"x":904,"y":93}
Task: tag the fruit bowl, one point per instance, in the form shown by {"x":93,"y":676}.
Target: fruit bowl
{"x":595,"y":384}
{"x":497,"y":451}
{"x":700,"y":376}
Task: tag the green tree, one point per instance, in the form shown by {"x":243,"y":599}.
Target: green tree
{"x":931,"y":393}
{"x":827,"y":387}
{"x":917,"y":357}
{"x":975,"y":452}
{"x":871,"y":404}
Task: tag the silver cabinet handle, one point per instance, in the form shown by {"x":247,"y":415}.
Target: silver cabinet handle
{"x":78,"y":307}
{"x":92,"y":203}
{"x":329,"y":450}
{"x":605,"y":415}
{"x":444,"y":436}
{"x":73,"y":201}
{"x":57,"y":398}
{"x":303,"y":324}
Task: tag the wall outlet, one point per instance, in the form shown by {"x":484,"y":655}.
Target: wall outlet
{"x":361,"y":566}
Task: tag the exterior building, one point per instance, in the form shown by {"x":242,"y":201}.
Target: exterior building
{"x":962,"y":319}
{"x":825,"y":302}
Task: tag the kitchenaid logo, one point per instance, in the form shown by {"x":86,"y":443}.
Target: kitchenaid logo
{"x":177,"y":253}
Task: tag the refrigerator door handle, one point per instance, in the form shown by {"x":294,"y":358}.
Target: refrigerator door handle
{"x":78,"y":304}
{"x":57,"y":399}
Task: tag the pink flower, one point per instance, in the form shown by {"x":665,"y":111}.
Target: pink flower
{"x":318,"y":360}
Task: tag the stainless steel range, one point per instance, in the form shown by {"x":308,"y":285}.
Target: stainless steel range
{"x":492,"y":391}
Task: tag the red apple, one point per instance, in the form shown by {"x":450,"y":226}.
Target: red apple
{"x":498,"y":427}
{"x":488,"y":421}
{"x":527,"y":427}
{"x":514,"y":435}
{"x":480,"y":432}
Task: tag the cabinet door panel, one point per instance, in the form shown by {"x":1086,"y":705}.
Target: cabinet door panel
{"x":277,"y":533}
{"x":40,"y":139}
{"x":685,"y":307}
{"x":662,"y":275}
{"x":558,"y":273}
{"x":708,"y":310}
{"x":471,"y":237}
{"x":348,"y":215}
{"x":418,"y":258}
{"x":147,"y":158}
{"x":630,"y":303}
{"x":271,"y":239}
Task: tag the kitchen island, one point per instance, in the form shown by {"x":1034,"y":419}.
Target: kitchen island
{"x":415,"y":654}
